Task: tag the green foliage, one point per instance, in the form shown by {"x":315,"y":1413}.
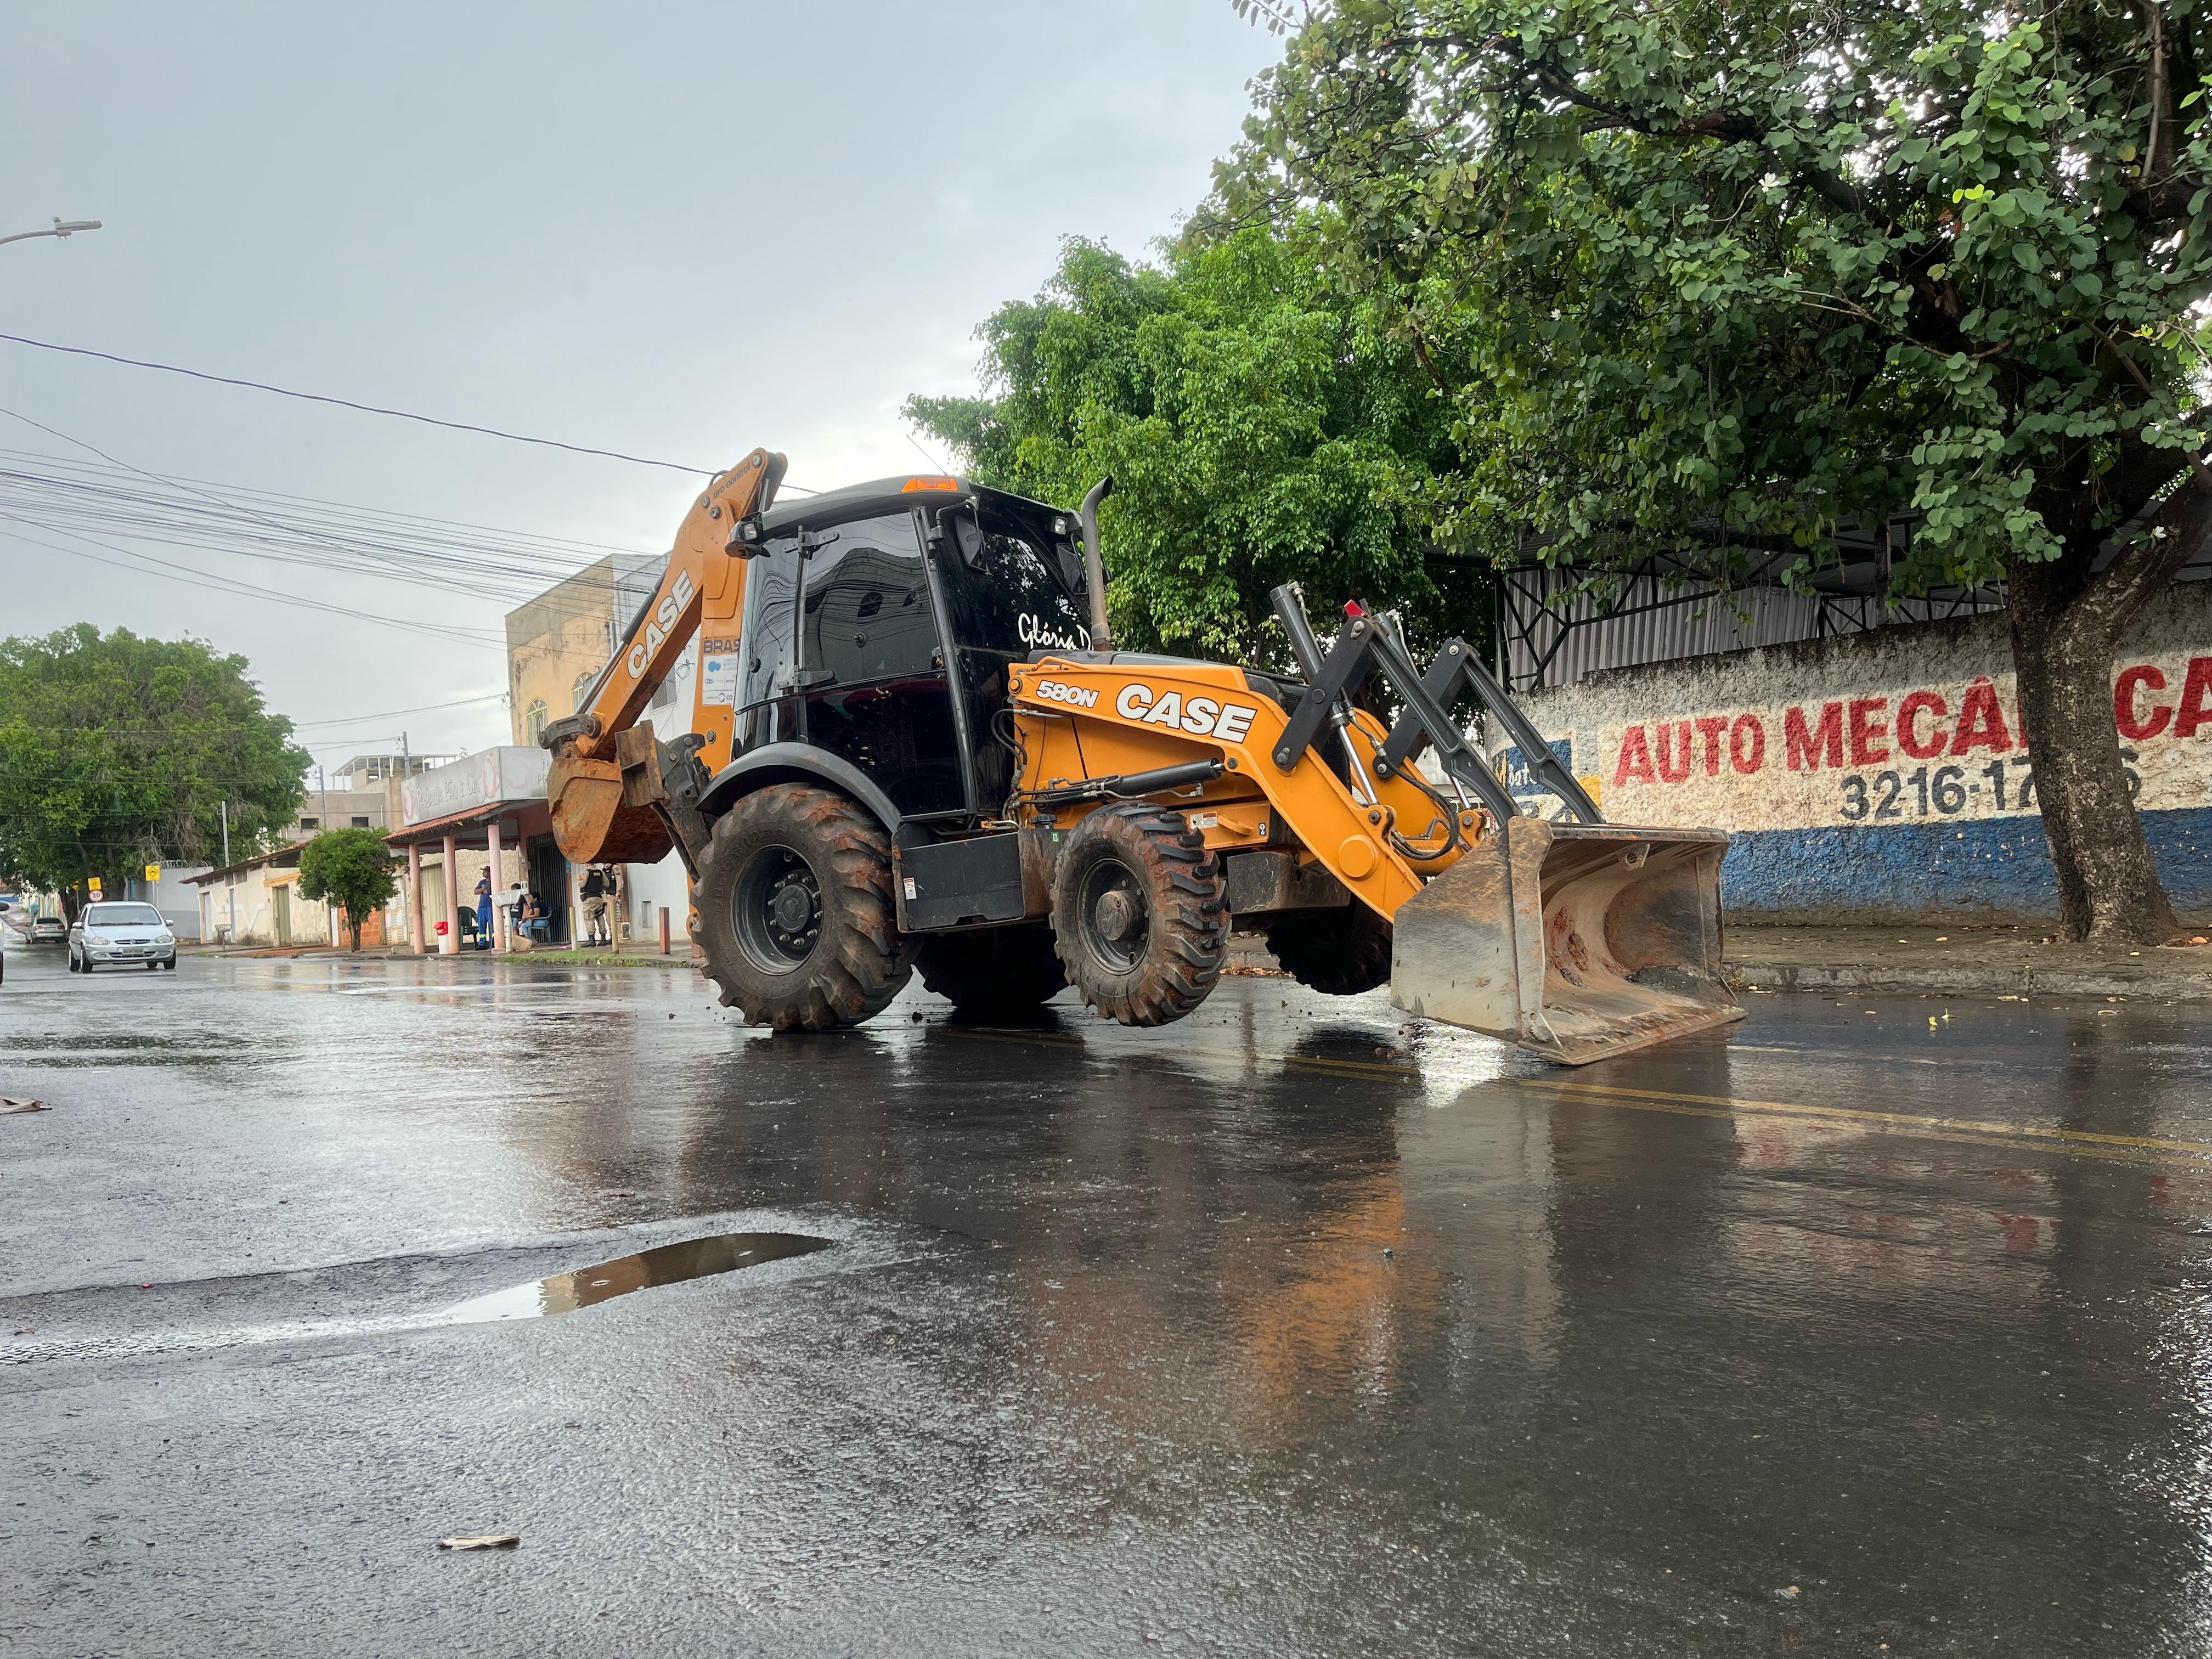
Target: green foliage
{"x":116,"y":752}
{"x":1761,"y":269}
{"x":351,"y":869}
{"x":1262,"y":424}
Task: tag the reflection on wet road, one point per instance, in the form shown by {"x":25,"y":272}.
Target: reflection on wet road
{"x":1296,"y":1326}
{"x":642,"y":1270}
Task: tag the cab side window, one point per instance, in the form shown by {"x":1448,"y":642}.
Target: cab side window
{"x":866,"y":611}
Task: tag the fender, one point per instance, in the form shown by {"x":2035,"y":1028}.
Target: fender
{"x":794,"y":762}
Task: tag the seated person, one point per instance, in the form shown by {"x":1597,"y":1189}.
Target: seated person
{"x":537,"y":920}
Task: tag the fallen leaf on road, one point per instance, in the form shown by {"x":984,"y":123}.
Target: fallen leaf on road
{"x":480,"y":1541}
{"x":12,"y":1103}
{"x":1788,"y":1595}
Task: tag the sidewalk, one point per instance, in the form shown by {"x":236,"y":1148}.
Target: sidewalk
{"x":628,"y":956}
{"x":1982,"y":960}
{"x":1959,"y":961}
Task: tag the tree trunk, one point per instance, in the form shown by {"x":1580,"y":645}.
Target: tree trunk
{"x":353,"y":927}
{"x":2066,"y":626}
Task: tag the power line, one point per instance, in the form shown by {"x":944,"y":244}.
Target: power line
{"x":238,"y":589}
{"x":372,"y":409}
{"x":389,"y":714}
{"x":125,"y":509}
{"x":366,"y":409}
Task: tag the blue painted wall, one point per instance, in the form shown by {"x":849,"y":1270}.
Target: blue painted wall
{"x":1999,"y":865}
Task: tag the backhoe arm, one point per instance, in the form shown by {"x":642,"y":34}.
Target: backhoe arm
{"x":618,"y":794}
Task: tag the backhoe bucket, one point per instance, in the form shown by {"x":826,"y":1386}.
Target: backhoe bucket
{"x":1577,"y":941}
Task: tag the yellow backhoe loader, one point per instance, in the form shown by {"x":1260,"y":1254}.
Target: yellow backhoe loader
{"x":913,"y":747}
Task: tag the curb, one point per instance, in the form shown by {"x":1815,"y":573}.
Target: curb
{"x":2121,"y":984}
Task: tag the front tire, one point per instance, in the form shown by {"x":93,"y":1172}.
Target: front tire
{"x":1139,"y":913}
{"x":996,"y":970}
{"x":795,"y":911}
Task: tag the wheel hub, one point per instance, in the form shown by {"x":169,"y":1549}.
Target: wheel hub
{"x":1115,"y":916}
{"x":776,"y":908}
{"x":791,"y":907}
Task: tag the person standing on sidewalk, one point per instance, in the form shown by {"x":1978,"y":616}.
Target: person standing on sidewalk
{"x":595,"y":906}
{"x":483,"y":911}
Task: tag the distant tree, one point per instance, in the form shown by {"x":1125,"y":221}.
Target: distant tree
{"x":1262,"y":424}
{"x":118,"y":751}
{"x":351,"y":869}
{"x":1759,"y":270}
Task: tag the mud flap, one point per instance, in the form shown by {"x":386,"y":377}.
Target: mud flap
{"x":1577,"y":941}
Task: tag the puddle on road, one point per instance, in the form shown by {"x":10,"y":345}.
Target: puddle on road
{"x":666,"y":1264}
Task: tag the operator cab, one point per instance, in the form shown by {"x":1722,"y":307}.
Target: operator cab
{"x":878,"y":623}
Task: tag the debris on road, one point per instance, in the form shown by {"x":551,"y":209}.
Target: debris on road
{"x":480,"y":1541}
{"x":10,"y":1104}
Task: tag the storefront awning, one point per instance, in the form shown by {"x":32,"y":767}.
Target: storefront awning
{"x":518,"y":820}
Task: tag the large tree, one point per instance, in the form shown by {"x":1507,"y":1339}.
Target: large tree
{"x":1756,"y":270}
{"x":118,"y":751}
{"x":1260,"y":427}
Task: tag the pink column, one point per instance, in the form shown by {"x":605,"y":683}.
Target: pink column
{"x":498,"y":880}
{"x":452,"y":941}
{"x":415,"y":896}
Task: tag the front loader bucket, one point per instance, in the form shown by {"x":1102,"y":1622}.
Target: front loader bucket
{"x":1577,"y":941}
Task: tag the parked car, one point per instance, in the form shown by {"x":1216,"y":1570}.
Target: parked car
{"x":120,"y":935}
{"x":49,"y":930}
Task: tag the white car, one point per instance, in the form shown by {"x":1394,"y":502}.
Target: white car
{"x":120,"y":935}
{"x":48,"y":927}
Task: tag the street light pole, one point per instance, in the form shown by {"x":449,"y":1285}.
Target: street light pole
{"x":61,"y":227}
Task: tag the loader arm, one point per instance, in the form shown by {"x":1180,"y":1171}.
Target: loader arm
{"x":616,"y":794}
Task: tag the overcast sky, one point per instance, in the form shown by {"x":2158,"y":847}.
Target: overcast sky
{"x":675,"y":230}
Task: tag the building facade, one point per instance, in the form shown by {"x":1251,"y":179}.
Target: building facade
{"x":558,"y":642}
{"x":557,"y":646}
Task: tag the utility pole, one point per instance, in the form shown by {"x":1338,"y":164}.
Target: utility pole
{"x":322,"y":784}
{"x":398,"y":800}
{"x":229,"y":887}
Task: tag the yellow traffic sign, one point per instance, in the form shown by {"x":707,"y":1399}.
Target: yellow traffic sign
{"x":93,"y":882}
{"x":153,"y":872}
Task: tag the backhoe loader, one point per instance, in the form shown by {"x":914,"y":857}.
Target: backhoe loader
{"x":914,"y":748}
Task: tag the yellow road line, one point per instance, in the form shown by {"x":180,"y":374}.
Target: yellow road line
{"x":1962,"y":1131}
{"x":1976,"y":1125}
{"x":1313,"y":1062}
{"x":1906,"y":1129}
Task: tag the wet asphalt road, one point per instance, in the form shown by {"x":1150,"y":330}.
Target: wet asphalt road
{"x":1290,"y":1330}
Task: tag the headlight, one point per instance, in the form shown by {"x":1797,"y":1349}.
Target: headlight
{"x":96,"y":939}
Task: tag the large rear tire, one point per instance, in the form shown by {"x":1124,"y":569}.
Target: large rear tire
{"x":994,"y":971}
{"x":1338,"y":952}
{"x":1139,"y":913}
{"x":795,"y":911}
